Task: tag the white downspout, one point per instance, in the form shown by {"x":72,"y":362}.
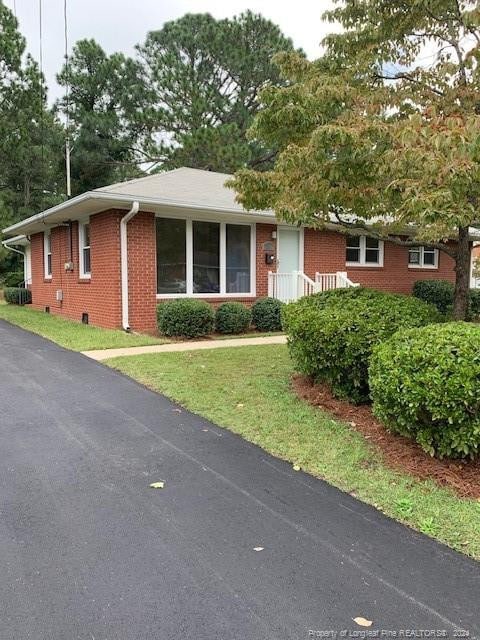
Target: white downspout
{"x":124,"y":262}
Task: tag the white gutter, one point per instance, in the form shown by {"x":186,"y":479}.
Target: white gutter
{"x":10,"y":248}
{"x":124,"y":261}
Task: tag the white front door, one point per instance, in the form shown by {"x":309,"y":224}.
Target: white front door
{"x":288,"y":260}
{"x":288,"y":250}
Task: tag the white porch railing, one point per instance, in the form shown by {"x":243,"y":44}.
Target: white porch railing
{"x":338,"y":280}
{"x":289,"y":287}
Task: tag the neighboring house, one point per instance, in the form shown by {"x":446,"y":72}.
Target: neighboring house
{"x":109,"y":256}
{"x":475,"y":277}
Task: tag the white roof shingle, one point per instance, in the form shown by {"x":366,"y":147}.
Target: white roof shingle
{"x":182,"y":186}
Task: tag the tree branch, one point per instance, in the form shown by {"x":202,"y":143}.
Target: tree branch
{"x":266,"y":158}
{"x":407,"y":76}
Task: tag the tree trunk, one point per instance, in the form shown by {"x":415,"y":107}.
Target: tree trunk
{"x":462,"y":275}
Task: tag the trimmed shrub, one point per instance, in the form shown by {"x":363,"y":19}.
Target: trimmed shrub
{"x":266,"y":314}
{"x":331,"y":335}
{"x":440,"y":293}
{"x":232,"y":317}
{"x":17,"y":295}
{"x":437,"y":292}
{"x":425,"y":385}
{"x":474,"y":309}
{"x":189,"y":318}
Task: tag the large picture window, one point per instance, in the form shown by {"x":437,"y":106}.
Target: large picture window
{"x":364,"y":251}
{"x":203,"y":258}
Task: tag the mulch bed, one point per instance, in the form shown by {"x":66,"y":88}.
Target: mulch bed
{"x":397,"y":451}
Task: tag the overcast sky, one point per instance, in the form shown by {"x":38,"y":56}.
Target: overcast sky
{"x":120,"y":24}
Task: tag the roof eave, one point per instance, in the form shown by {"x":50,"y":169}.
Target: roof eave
{"x":30,"y":225}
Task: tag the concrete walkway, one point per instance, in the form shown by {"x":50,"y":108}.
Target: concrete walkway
{"x":193,"y":345}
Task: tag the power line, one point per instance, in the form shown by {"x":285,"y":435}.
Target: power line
{"x":42,"y":94}
{"x":67,"y":101}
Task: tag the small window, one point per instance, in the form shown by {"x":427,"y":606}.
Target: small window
{"x":47,"y":253}
{"x":364,"y":251}
{"x":84,"y":250}
{"x":423,"y":258}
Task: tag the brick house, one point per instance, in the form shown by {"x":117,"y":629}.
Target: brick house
{"x":109,"y":256}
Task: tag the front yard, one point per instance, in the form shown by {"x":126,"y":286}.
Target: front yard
{"x":248,"y":390}
{"x":70,"y":334}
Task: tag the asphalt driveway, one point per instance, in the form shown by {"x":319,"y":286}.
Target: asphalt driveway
{"x":89,"y":551}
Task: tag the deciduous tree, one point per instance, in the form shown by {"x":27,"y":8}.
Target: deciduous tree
{"x":382,"y":135}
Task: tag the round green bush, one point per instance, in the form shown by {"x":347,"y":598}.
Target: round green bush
{"x":17,"y":295}
{"x":232,"y":317}
{"x":425,"y":384}
{"x":188,"y":317}
{"x":331,"y":335}
{"x":437,"y":292}
{"x":267,"y":314}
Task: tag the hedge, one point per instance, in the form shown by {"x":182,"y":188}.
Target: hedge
{"x":266,"y":314}
{"x":437,"y":292}
{"x":331,"y":335}
{"x":425,"y":385}
{"x":232,"y":317}
{"x":188,"y":318}
{"x":17,"y":295}
{"x":440,"y":293}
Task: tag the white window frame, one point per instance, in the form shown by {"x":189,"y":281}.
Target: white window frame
{"x":223,"y":260}
{"x":363,"y":246}
{"x":84,"y":275}
{"x":421,"y":264}
{"x":47,"y":251}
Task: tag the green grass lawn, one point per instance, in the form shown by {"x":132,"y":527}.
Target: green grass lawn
{"x":69,"y":334}
{"x":247,"y":390}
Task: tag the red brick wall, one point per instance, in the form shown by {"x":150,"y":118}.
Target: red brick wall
{"x":264,"y":234}
{"x":98,"y":296}
{"x":325,"y":252}
{"x":142,"y":272}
